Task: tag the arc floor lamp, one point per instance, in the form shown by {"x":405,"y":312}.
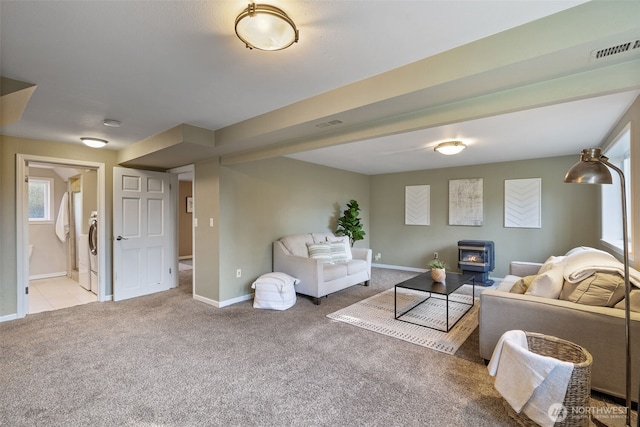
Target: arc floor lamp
{"x":593,"y":168}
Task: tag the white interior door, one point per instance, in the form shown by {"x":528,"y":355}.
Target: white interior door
{"x":144,"y":228}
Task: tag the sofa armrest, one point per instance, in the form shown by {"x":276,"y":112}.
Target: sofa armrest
{"x":522,"y":268}
{"x":308,"y":270}
{"x":363,"y":254}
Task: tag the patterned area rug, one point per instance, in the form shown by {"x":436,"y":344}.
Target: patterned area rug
{"x":377,"y":314}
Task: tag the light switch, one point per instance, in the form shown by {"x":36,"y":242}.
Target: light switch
{"x":195,"y":222}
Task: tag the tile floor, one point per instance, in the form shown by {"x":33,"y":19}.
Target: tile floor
{"x":56,"y":293}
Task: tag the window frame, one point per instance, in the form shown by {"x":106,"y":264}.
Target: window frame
{"x":619,"y":154}
{"x":49,"y":215}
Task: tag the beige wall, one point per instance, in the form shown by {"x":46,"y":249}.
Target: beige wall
{"x":570,"y":215}
{"x":264,"y":200}
{"x":9,"y":147}
{"x":185,"y":238}
{"x":254,"y":203}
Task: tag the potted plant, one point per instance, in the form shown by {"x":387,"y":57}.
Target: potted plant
{"x":437,"y":270}
{"x":349,"y":223}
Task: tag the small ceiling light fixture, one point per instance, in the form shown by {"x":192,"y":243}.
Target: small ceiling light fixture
{"x":94,"y":142}
{"x":111,"y":123}
{"x":450,"y":147}
{"x":265,"y":27}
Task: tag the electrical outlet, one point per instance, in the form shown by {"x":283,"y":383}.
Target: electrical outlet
{"x":435,"y":255}
{"x":239,"y":272}
{"x":378,"y":256}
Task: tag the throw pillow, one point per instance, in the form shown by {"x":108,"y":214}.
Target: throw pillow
{"x":550,"y":262}
{"x":522,"y":285}
{"x":599,"y":289}
{"x":345,"y":241}
{"x":547,"y":284}
{"x":320,"y":251}
{"x":338,"y":252}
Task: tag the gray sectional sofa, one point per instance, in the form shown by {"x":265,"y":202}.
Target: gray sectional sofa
{"x":599,"y":329}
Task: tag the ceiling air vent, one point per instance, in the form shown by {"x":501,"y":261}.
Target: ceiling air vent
{"x":616,"y":50}
{"x":329,"y":123}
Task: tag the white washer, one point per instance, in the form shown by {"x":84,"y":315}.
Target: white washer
{"x":93,"y":252}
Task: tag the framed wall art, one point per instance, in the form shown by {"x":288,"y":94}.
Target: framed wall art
{"x":417,"y":205}
{"x":523,"y":203}
{"x":465,"y":202}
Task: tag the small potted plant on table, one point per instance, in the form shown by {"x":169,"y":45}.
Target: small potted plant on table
{"x":437,"y":270}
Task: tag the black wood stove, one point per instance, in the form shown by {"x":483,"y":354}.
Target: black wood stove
{"x":477,"y":256}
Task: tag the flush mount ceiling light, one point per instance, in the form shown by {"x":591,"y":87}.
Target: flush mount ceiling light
{"x":111,"y":123}
{"x":265,"y":27}
{"x":450,"y":147}
{"x":94,"y":142}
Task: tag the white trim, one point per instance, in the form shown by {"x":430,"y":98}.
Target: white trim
{"x":399,"y":267}
{"x":8,"y":317}
{"x":22,"y":224}
{"x":224,"y":303}
{"x":47,"y":275}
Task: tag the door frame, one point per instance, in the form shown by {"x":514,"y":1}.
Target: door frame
{"x":22,"y":224}
{"x":177,"y":171}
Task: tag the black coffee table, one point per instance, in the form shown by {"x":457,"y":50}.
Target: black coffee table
{"x":424,"y":283}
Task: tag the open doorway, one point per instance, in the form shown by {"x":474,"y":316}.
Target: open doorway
{"x":62,"y":215}
{"x":185,"y":227}
{"x":56,"y":201}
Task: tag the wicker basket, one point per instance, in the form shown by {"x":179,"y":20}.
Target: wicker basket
{"x":579,"y":387}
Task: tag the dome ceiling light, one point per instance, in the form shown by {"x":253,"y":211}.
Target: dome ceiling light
{"x":94,"y":142}
{"x":450,"y":147}
{"x":266,"y":27}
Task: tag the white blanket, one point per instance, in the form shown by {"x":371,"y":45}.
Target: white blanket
{"x":582,"y":264}
{"x":529,"y":382}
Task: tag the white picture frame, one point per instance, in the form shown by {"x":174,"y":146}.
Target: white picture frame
{"x":417,"y":205}
{"x":523,"y":203}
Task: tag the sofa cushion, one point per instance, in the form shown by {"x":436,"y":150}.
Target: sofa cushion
{"x":296,"y":244}
{"x":320,"y":251}
{"x":319,"y":237}
{"x":522,"y":285}
{"x":548,"y":284}
{"x":634,"y":296}
{"x":345,"y":241}
{"x":356,"y":266}
{"x":334,"y":271}
{"x":601,"y":289}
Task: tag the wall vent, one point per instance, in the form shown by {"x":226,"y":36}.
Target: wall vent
{"x":329,"y":123}
{"x":616,"y":50}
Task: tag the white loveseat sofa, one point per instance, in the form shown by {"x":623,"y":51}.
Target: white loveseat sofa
{"x":320,"y":276}
{"x":599,"y":329}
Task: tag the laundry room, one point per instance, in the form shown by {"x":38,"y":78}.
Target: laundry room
{"x":62,"y":236}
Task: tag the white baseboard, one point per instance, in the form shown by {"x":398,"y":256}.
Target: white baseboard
{"x":47,"y":275}
{"x":399,"y":267}
{"x":8,"y":317}
{"x":225,"y":303}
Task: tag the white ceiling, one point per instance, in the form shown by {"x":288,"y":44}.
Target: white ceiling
{"x":156,"y":64}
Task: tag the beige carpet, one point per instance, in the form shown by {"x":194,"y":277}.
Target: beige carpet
{"x":377,"y":314}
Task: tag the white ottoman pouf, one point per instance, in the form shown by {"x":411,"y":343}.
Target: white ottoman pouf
{"x":274,"y":291}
